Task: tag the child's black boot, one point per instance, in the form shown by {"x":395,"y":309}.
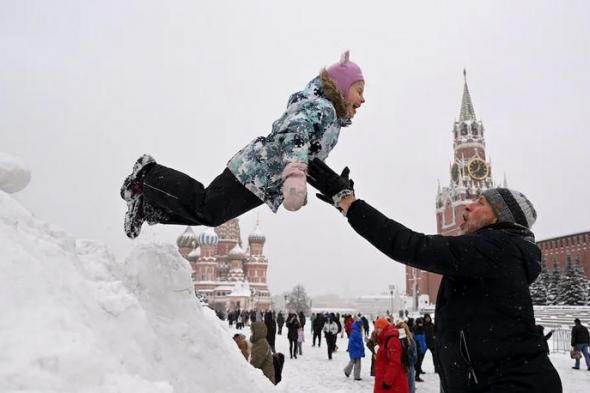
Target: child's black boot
{"x":133,"y":185}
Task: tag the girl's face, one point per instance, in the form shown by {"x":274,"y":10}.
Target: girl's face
{"x":354,"y":98}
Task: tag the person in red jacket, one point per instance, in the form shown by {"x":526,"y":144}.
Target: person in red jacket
{"x":390,"y":375}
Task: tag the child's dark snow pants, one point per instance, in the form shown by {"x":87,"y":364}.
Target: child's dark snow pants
{"x":187,"y":202}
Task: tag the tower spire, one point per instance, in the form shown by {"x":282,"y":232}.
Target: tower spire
{"x":467,"y":112}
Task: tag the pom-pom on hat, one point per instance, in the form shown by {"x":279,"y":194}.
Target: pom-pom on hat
{"x":511,"y":206}
{"x":345,"y":73}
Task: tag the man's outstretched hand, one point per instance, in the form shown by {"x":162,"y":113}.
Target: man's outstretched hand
{"x":332,"y":186}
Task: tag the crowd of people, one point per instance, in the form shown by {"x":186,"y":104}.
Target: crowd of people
{"x":397,"y":351}
{"x":396,"y":347}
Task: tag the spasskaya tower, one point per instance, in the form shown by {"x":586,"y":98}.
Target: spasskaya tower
{"x":470,"y":173}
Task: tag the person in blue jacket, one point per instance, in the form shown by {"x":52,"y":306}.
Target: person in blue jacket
{"x":356,"y":351}
{"x":420,"y":338}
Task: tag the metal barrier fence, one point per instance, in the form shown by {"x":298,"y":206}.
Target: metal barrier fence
{"x":561,"y":340}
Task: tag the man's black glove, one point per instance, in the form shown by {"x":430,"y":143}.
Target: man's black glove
{"x":332,"y":186}
{"x":385,"y":386}
{"x":330,"y":201}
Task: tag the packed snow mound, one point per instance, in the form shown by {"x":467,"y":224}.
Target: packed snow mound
{"x":14,"y":174}
{"x":74,"y":319}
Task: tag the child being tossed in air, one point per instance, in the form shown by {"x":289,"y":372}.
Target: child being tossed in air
{"x":269,"y":169}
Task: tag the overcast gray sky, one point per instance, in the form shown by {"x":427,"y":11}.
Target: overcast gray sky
{"x":88,"y":86}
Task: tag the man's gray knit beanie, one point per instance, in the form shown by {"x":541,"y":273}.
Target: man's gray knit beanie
{"x":511,"y":206}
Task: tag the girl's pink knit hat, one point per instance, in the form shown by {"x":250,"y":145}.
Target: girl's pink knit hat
{"x":345,"y":73}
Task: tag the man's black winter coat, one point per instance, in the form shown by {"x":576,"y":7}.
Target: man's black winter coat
{"x":429,"y":331}
{"x":580,"y":335}
{"x":280,"y":319}
{"x":271,"y":329}
{"x":318,"y":323}
{"x":485,"y":327}
{"x":292,"y":325}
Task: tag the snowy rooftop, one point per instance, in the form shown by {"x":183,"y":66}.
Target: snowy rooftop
{"x":241,"y":289}
{"x":195,"y":253}
{"x":257,"y":235}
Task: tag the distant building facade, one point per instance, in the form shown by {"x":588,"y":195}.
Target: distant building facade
{"x":557,"y":250}
{"x":470,"y":173}
{"x":228,"y":276}
{"x":381,"y":304}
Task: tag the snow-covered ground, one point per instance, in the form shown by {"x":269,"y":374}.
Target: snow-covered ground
{"x":314,"y":373}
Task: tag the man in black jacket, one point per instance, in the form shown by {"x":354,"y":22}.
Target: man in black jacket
{"x":580,"y":341}
{"x":485,"y":334}
{"x":271,"y":329}
{"x":430,"y":331}
{"x":280,"y":322}
{"x":317,"y":326}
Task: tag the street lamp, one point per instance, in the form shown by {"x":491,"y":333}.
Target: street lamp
{"x":415,"y":278}
{"x":391,"y":289}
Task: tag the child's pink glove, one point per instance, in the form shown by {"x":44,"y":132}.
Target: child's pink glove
{"x":294,"y":186}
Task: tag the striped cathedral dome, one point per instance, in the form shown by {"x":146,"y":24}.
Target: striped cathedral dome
{"x":208,"y":238}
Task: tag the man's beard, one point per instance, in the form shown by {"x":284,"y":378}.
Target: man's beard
{"x":473,"y":226}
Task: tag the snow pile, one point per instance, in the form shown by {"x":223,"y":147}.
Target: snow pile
{"x":14,"y":174}
{"x":73,"y":319}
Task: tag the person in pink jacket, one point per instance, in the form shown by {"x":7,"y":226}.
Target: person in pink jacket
{"x":300,"y":340}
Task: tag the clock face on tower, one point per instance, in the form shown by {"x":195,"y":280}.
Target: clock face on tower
{"x":477,"y":168}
